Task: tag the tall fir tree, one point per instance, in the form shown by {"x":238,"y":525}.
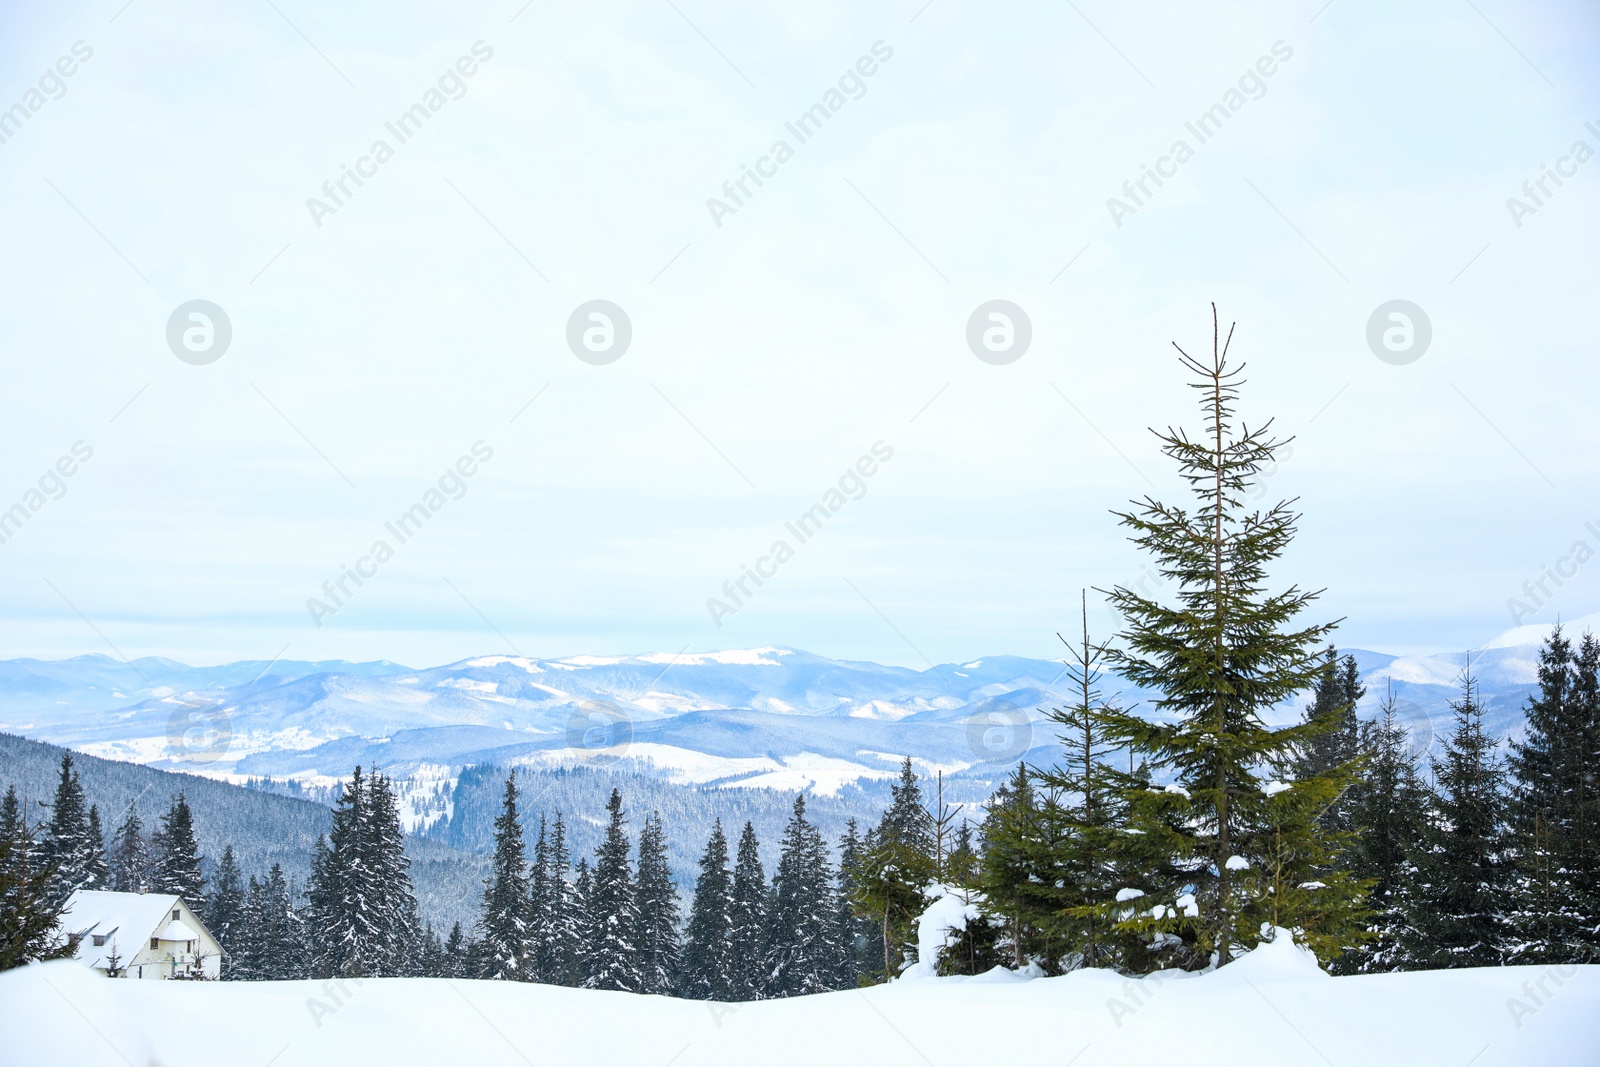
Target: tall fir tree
{"x":130,"y":855}
{"x":224,"y":914}
{"x":245,"y":961}
{"x":1555,"y":810}
{"x":897,"y":862}
{"x":1225,"y":653}
{"x":30,"y":908}
{"x":68,"y":839}
{"x":360,"y":898}
{"x":1337,"y":744}
{"x":455,"y":950}
{"x":540,"y":906}
{"x":1014,"y":867}
{"x":802,"y":932}
{"x":391,"y":872}
{"x":504,"y":928}
{"x":1456,"y":911}
{"x":1390,"y":820}
{"x":1084,"y":820}
{"x":585,"y":961}
{"x":566,"y":965}
{"x":748,"y":919}
{"x":656,"y":905}
{"x":177,"y":863}
{"x":98,"y":867}
{"x":613,"y":915}
{"x":861,"y":947}
{"x":709,"y":966}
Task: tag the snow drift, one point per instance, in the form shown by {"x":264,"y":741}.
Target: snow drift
{"x":1272,"y":1007}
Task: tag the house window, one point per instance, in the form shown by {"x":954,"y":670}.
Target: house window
{"x":155,"y":942}
{"x":175,"y":913}
{"x":99,"y":940}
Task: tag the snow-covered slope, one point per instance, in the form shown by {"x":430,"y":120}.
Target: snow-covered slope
{"x":1270,"y":1008}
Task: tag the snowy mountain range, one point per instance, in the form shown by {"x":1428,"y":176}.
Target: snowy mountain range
{"x":769,"y":717}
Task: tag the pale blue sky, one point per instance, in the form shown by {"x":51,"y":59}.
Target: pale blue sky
{"x":371,"y":352}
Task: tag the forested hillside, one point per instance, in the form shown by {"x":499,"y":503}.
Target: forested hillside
{"x":263,"y":828}
{"x":688,"y":812}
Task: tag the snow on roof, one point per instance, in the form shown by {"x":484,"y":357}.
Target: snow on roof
{"x":126,"y":920}
{"x":178,"y":930}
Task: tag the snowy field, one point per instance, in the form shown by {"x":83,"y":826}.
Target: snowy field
{"x":1272,"y":1007}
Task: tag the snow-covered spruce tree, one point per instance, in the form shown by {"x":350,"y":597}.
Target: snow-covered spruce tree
{"x":362,"y":908}
{"x":455,"y":949}
{"x":391,"y":871}
{"x":540,"y":900}
{"x":176,"y":868}
{"x":29,"y":909}
{"x":68,"y":840}
{"x":1338,"y":744}
{"x":225,"y":905}
{"x":802,"y":935}
{"x":1389,"y":819}
{"x":283,"y":932}
{"x":1555,"y":811}
{"x":244,"y":961}
{"x":130,"y":855}
{"x":566,"y":963}
{"x":586,"y":961}
{"x":504,"y":928}
{"x":1014,"y":867}
{"x":1456,"y":912}
{"x":613,"y":912}
{"x":656,"y":902}
{"x":897,"y":862}
{"x":1224,"y":653}
{"x":860,"y":938}
{"x":976,"y":948}
{"x":748,"y":915}
{"x":1085,"y":840}
{"x":99,"y":869}
{"x":708,"y":965}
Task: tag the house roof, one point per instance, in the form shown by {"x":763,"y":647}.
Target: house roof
{"x":128,"y":921}
{"x":177,"y":930}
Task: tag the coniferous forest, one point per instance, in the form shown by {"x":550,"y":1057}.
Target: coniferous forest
{"x":1178,"y":835}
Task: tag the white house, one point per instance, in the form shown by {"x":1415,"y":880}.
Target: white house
{"x":141,"y":935}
